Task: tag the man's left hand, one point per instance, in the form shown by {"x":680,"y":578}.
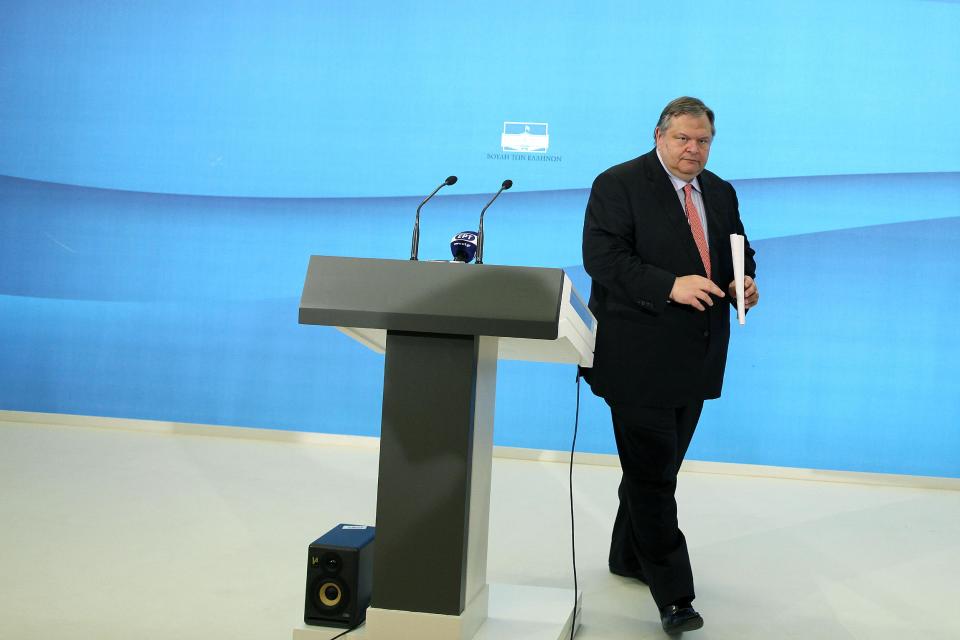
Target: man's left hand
{"x":750,"y":293}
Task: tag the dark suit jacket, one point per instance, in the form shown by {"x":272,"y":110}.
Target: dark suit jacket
{"x":636,"y":241}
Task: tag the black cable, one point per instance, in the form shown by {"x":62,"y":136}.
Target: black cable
{"x":573,"y":538}
{"x":340,"y":635}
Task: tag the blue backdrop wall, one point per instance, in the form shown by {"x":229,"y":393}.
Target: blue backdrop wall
{"x":166,"y":171}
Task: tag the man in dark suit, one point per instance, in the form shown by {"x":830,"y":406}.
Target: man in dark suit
{"x":656,"y":242}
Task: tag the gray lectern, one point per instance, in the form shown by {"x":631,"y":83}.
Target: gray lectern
{"x":442,"y":327}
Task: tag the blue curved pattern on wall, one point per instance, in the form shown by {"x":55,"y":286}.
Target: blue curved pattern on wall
{"x":166,"y":170}
{"x":184,"y":308}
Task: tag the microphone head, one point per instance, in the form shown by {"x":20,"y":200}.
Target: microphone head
{"x":463,"y":246}
{"x":507,"y":184}
{"x":450,"y":180}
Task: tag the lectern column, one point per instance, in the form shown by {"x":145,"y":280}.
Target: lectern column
{"x":434,"y":488}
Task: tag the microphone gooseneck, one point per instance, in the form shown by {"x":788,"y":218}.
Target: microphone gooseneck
{"x":415,"y":243}
{"x":503,"y":187}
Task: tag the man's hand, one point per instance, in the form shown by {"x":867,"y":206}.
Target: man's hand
{"x":695,"y":291}
{"x":750,"y":294}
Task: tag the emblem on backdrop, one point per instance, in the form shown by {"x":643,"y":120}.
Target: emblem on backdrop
{"x":525,"y":137}
{"x":525,"y":141}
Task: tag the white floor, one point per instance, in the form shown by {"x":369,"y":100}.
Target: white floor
{"x":110,"y":533}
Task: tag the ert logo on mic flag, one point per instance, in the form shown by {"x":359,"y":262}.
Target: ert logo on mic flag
{"x":463,"y":246}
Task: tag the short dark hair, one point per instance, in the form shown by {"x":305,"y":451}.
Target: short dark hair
{"x":685,"y":106}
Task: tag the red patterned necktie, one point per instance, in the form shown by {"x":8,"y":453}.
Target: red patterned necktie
{"x":696,"y":227}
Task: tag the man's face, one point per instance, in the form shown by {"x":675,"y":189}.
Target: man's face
{"x":684,"y":145}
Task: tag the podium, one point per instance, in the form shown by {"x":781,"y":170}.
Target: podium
{"x":442,"y":327}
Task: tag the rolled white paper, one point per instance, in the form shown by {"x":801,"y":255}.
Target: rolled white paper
{"x":736,"y":248}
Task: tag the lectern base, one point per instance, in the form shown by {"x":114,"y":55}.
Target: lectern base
{"x":387,"y":623}
{"x":515,"y":613}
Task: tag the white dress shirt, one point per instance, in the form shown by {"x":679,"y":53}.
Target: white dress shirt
{"x":678,"y":186}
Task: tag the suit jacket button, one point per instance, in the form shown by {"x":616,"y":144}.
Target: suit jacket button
{"x":706,"y":334}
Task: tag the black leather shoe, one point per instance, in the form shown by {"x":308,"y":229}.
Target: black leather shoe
{"x":636,"y":574}
{"x":679,"y":619}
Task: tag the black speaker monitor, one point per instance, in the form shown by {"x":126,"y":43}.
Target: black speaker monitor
{"x":339,"y":576}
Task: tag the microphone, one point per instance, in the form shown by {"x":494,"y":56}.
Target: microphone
{"x":463,"y":246}
{"x":415,"y":245}
{"x":506,"y":185}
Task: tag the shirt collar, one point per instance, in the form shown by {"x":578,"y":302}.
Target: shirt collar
{"x":678,"y":184}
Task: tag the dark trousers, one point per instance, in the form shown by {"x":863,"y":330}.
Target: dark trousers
{"x":646,"y":536}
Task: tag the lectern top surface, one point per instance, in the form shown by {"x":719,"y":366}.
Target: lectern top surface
{"x":432,"y":297}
